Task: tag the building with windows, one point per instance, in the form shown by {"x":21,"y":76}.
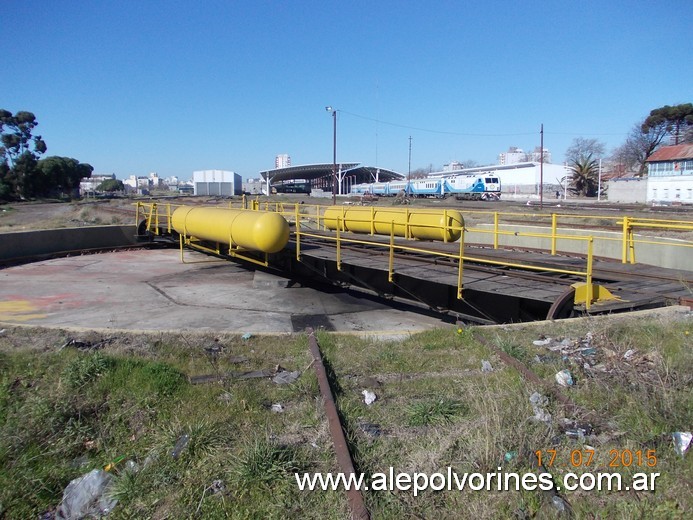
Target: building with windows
{"x":282,"y":161}
{"x":516,"y":155}
{"x":670,"y":174}
{"x":89,"y":184}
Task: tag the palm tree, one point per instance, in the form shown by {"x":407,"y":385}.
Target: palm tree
{"x":584,"y":179}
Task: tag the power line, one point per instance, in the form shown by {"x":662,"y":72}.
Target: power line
{"x":408,"y":127}
{"x":467,"y":134}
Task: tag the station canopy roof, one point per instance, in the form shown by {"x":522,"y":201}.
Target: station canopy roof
{"x":311,"y":172}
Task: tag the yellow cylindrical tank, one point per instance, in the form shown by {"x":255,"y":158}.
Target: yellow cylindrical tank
{"x":424,"y":224}
{"x":257,"y":230}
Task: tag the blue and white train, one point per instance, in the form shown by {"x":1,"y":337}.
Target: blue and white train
{"x":470,"y":187}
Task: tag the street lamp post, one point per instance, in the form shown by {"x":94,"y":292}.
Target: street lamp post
{"x":334,"y":153}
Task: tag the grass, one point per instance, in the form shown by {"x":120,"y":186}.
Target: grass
{"x":65,"y":412}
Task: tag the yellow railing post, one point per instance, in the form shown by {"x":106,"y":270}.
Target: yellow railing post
{"x":624,"y":250}
{"x":298,"y":235}
{"x":460,"y":267}
{"x":495,"y":230}
{"x":339,"y":247}
{"x":554,"y":222}
{"x":590,"y":259}
{"x":631,"y":244}
{"x":445,"y":226}
{"x":391,"y":263}
{"x":137,"y":214}
{"x":151,"y":217}
{"x":168,"y":217}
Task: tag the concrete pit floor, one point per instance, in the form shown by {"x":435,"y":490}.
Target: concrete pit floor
{"x":152,"y":290}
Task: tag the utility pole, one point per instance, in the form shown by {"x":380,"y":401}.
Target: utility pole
{"x":334,"y":153}
{"x":541,"y":170}
{"x":409,"y":172}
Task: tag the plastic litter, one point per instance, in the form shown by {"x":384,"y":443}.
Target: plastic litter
{"x":538,"y":403}
{"x":564,"y":378}
{"x":277,"y":408}
{"x":486,"y":366}
{"x":286,"y":377}
{"x":558,"y":503}
{"x":246,"y":336}
{"x":629,"y":354}
{"x":682,"y":441}
{"x":510,"y":455}
{"x":542,"y":342}
{"x":87,"y":496}
{"x":369,"y":397}
{"x":370,"y":429}
{"x":181,"y":444}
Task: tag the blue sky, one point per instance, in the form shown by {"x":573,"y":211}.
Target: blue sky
{"x":173,"y":86}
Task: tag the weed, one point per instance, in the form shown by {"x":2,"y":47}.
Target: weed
{"x":264,"y":462}
{"x":86,"y":369}
{"x":512,"y":349}
{"x":436,"y":411}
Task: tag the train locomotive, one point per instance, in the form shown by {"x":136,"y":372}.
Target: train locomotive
{"x":462,"y":187}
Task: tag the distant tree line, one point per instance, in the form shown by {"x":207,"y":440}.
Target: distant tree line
{"x":22,"y":174}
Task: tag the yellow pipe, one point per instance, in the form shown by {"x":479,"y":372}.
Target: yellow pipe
{"x":445,"y":225}
{"x":255,"y":230}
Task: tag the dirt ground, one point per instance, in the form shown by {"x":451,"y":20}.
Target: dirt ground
{"x":26,"y":216}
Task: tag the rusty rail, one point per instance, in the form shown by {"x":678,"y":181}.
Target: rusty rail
{"x":356,"y":504}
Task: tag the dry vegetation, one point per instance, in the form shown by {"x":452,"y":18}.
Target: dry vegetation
{"x":68,"y":409}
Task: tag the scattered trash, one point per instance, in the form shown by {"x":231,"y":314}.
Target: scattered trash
{"x":682,"y":441}
{"x":214,"y":350}
{"x":579,"y":431}
{"x":112,"y":465}
{"x":181,"y":444}
{"x":558,"y":503}
{"x":539,"y":402}
{"x":542,"y":342}
{"x":2,"y":331}
{"x":217,"y":486}
{"x":286,"y":377}
{"x":564,"y":378}
{"x":486,"y":366}
{"x":370,"y":429}
{"x":246,"y":336}
{"x":87,"y":496}
{"x":629,"y":354}
{"x":131,"y":467}
{"x":277,"y":408}
{"x":86,"y":345}
{"x":510,"y":455}
{"x":369,"y":397}
{"x":225,"y":397}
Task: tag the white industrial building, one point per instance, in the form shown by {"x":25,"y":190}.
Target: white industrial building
{"x":217,"y":182}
